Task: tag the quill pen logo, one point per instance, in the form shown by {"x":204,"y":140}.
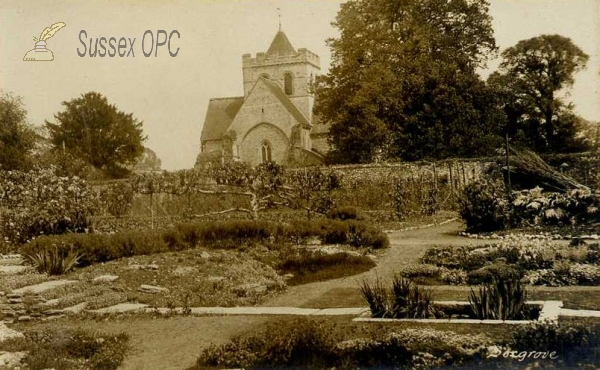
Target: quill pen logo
{"x":40,"y":53}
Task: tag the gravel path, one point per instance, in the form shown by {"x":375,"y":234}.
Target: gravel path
{"x":406,"y":247}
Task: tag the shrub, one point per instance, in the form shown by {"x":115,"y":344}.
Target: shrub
{"x":97,"y":248}
{"x":229,"y":234}
{"x":575,"y":344}
{"x":302,"y":343}
{"x":484,"y":207}
{"x":40,"y":203}
{"x":502,"y":299}
{"x":498,"y":270}
{"x":53,"y":262}
{"x":299,"y":232}
{"x":344,"y":213}
{"x":355,"y":233}
{"x":361,"y":234}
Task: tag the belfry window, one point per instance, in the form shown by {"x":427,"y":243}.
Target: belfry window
{"x":288,"y":83}
{"x":265,"y":151}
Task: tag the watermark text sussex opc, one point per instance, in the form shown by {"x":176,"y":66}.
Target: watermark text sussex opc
{"x":124,"y":47}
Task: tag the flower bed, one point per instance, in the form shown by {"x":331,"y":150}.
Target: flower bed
{"x":537,"y":262}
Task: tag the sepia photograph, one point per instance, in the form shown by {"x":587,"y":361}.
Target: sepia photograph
{"x":299,"y":184}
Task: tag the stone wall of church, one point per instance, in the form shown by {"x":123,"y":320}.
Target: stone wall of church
{"x":250,"y":149}
{"x":261,"y":106}
{"x":319,"y":143}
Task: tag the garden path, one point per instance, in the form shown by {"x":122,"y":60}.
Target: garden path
{"x":406,"y":247}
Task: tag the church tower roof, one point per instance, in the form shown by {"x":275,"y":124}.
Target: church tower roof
{"x":281,"y":45}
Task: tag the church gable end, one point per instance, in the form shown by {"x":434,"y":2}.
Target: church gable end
{"x":272,"y":121}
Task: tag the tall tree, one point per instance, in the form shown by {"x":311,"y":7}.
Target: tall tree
{"x":531,"y":77}
{"x":17,"y":137}
{"x":91,"y":128}
{"x":402,"y":81}
{"x":148,"y":161}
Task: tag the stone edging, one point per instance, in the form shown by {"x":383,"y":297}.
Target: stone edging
{"x":422,"y":226}
{"x":542,"y":236}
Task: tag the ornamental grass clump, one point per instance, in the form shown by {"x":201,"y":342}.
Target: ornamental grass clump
{"x":54,"y":261}
{"x":405,"y":300}
{"x":410,"y":300}
{"x":377,"y":297}
{"x":502,"y":299}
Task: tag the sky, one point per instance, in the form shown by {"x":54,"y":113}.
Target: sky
{"x":170,"y":94}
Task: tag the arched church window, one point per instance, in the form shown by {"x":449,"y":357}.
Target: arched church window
{"x":288,"y":83}
{"x":265,"y":151}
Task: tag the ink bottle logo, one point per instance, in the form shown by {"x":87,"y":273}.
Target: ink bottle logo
{"x":40,"y":53}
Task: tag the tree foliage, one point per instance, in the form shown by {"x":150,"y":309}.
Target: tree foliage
{"x":531,"y":78}
{"x":91,"y":128}
{"x":148,"y":161}
{"x":17,"y":137}
{"x":402,"y":82}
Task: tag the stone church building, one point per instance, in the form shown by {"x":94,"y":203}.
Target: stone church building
{"x":273,"y":121}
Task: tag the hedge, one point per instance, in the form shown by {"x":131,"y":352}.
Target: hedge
{"x":98,"y":248}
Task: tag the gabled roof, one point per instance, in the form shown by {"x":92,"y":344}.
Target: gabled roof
{"x":278,"y":92}
{"x":219,"y":115}
{"x":281,"y":45}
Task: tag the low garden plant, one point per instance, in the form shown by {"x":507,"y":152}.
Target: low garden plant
{"x":487,"y":206}
{"x":308,"y":344}
{"x":536,"y":262}
{"x":70,"y":349}
{"x":576,"y":345}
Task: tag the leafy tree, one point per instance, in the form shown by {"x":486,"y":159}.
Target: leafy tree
{"x":91,"y":128}
{"x":402,"y":81}
{"x":149,"y":161}
{"x":531,"y":77}
{"x":17,"y":137}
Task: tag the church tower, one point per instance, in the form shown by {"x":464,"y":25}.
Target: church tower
{"x":273,"y":121}
{"x":295,"y":71}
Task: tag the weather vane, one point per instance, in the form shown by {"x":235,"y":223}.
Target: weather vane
{"x":279,"y":15}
